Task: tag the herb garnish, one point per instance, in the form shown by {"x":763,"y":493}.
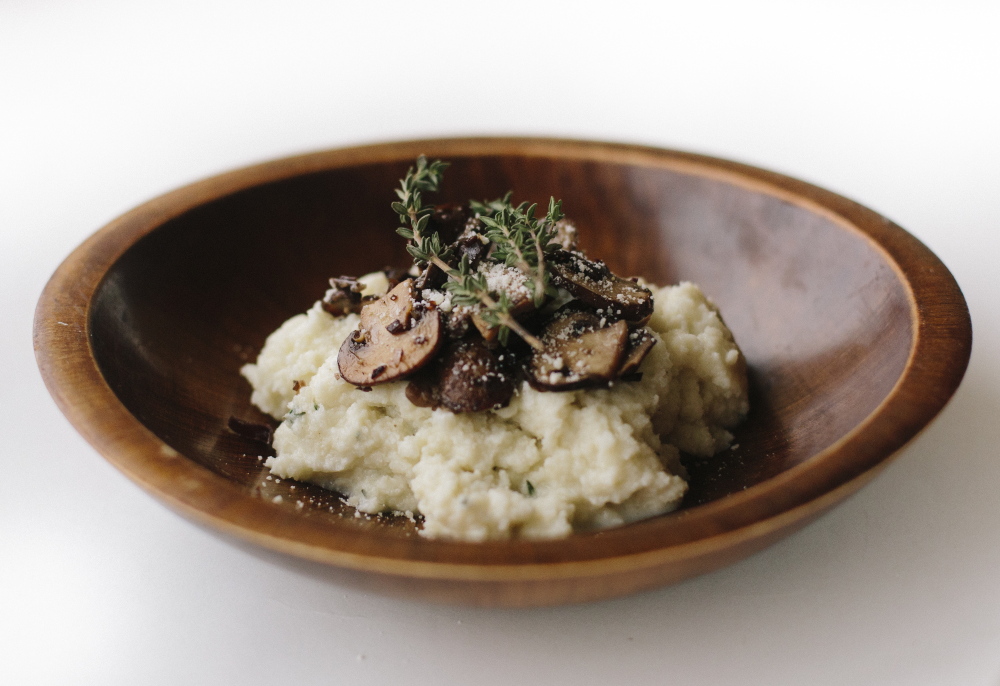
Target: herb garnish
{"x":520,"y":241}
{"x":412,"y":212}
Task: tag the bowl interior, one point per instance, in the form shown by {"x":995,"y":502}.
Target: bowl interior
{"x":822,"y":315}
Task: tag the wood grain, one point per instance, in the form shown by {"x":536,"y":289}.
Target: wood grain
{"x":856,"y":336}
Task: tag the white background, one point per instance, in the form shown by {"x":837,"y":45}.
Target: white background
{"x":104,"y":105}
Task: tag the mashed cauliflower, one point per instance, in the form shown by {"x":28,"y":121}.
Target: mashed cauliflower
{"x":547,"y":464}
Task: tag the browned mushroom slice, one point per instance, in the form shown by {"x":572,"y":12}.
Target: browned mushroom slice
{"x":510,"y":281}
{"x":394,"y":338}
{"x":519,"y":307}
{"x":343,"y":297}
{"x":471,"y":246}
{"x":466,"y":377}
{"x":468,"y":245}
{"x":456,"y":323}
{"x":640,"y":342}
{"x":422,"y":391}
{"x":578,"y":351}
{"x":472,"y":378}
{"x":596,"y":285}
{"x":430,"y":277}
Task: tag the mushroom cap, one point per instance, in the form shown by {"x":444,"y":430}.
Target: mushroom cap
{"x":467,"y":376}
{"x":395,"y":337}
{"x":472,"y":378}
{"x":579,"y":351}
{"x":596,"y":285}
{"x":640,"y":342}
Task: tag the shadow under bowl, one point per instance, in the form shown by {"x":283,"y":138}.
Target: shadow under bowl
{"x":855,"y":334}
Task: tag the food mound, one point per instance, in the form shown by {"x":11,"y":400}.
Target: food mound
{"x":506,"y":386}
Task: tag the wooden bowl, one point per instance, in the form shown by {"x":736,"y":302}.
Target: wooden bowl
{"x":855,"y":333}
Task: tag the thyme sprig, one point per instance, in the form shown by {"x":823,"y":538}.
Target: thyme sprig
{"x":468,"y":288}
{"x":523,"y":238}
{"x":413,"y":214}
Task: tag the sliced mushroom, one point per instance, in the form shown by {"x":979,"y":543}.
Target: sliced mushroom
{"x":473,"y":378}
{"x":518,"y":307}
{"x":457,"y":322}
{"x":579,"y":351}
{"x":344,"y":296}
{"x":466,"y":377}
{"x":595,"y":284}
{"x":510,"y":281}
{"x":396,"y":336}
{"x":640,"y":342}
{"x":430,"y":277}
{"x":471,"y":246}
{"x":422,"y":391}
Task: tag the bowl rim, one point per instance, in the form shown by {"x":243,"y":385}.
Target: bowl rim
{"x":939,"y":355}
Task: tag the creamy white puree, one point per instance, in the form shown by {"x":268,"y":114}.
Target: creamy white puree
{"x":546,"y":464}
